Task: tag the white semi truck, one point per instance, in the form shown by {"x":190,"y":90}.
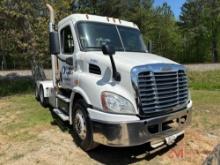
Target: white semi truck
{"x":108,"y":86}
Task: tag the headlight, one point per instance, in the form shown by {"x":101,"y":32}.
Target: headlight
{"x":112,"y":102}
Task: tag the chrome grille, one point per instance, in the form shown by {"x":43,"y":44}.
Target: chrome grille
{"x":162,"y":91}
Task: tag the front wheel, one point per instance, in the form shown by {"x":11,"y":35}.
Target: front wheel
{"x":82,"y":126}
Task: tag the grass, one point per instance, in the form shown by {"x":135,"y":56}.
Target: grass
{"x":206,"y":110}
{"x":21,"y":113}
{"x":209,"y":80}
{"x":17,"y":156}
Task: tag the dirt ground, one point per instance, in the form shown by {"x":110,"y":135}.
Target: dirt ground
{"x":45,"y":142}
{"x":52,"y":146}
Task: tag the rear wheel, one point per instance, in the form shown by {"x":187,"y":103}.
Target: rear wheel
{"x":43,"y":100}
{"x":37,"y":93}
{"x":82,"y":126}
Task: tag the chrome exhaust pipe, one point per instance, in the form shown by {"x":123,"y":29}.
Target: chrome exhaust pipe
{"x":53,"y":57}
{"x":52,"y":17}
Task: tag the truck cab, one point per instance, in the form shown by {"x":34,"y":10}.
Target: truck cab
{"x":110,"y":88}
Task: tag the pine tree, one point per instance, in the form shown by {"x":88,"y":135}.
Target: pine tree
{"x":194,"y":31}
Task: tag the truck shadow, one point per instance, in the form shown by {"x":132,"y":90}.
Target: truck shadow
{"x":114,"y":155}
{"x":111,"y":155}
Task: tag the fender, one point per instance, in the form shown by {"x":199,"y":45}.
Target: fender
{"x":80,"y":91}
{"x":46,"y":86}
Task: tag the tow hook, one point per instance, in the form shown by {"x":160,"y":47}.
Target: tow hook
{"x":171,"y":139}
{"x":159,"y":145}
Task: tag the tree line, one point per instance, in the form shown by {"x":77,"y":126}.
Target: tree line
{"x":193,"y":38}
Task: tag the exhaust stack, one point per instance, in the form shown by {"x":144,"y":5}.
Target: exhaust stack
{"x":52,"y":17}
{"x":51,"y":11}
{"x":53,"y":57}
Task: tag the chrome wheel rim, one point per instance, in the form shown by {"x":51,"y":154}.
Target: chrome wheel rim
{"x":80,"y":125}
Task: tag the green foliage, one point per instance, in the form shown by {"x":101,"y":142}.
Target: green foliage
{"x":166,"y":36}
{"x":193,"y":38}
{"x":199,"y":23}
{"x":16,"y":86}
{"x":24,"y":34}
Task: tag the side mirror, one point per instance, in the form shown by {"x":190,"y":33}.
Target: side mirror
{"x":54,"y":43}
{"x":108,"y":49}
{"x":69,"y":61}
{"x":149,"y":46}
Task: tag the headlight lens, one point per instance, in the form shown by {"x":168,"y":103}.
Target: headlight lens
{"x":112,"y":102}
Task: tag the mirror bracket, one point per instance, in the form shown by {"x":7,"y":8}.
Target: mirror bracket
{"x":108,"y":49}
{"x":69,"y":61}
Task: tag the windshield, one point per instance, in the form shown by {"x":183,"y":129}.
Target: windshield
{"x":93,"y":35}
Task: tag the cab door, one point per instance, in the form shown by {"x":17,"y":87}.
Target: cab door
{"x":67,"y":54}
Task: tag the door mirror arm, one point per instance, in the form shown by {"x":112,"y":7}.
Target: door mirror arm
{"x":69,"y":61}
{"x":109,"y":50}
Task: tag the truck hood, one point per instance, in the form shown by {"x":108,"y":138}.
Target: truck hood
{"x":127,"y":60}
{"x":131,"y":59}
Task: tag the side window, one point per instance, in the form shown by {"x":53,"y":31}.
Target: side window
{"x":67,"y":42}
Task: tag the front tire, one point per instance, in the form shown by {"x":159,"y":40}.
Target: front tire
{"x":82,"y":127}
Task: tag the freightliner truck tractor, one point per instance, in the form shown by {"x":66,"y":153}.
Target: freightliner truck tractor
{"x":108,"y":86}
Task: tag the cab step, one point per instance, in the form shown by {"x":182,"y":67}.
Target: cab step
{"x":63,"y":98}
{"x":60,"y":113}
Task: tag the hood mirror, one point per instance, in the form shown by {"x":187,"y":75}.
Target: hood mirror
{"x":109,"y":49}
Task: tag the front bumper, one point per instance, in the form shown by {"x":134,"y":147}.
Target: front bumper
{"x":123,"y":134}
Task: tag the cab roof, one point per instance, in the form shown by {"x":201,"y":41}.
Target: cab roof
{"x":95,"y":18}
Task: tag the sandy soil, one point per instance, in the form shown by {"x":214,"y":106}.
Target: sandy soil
{"x":53,"y":146}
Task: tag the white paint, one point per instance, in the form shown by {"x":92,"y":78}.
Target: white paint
{"x":90,"y":86}
{"x":107,"y":117}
